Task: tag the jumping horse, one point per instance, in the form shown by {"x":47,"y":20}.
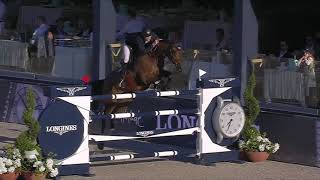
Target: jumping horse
{"x":149,"y":67}
{"x":144,"y":71}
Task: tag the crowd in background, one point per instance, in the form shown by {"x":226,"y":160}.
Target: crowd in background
{"x":307,"y":56}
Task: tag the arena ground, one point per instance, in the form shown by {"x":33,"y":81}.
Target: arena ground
{"x":147,"y":169}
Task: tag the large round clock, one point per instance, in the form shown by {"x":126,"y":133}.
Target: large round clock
{"x":228,"y":119}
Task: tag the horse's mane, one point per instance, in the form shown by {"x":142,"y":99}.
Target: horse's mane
{"x":170,"y":43}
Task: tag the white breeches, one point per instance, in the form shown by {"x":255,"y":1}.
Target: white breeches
{"x":126,"y":54}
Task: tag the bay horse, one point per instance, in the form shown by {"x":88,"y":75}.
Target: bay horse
{"x":144,"y":71}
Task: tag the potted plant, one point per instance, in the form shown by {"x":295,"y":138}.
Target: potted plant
{"x":38,"y":169}
{"x":10,"y":164}
{"x":254,"y":146}
{"x":258,"y":147}
{"x":33,"y":165}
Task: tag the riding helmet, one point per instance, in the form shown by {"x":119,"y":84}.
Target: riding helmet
{"x":146,"y":33}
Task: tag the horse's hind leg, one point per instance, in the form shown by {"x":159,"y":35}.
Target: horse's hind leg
{"x":166,"y":74}
{"x":106,"y":125}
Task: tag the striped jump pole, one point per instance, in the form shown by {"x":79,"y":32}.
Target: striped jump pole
{"x":104,"y":157}
{"x":140,"y":114}
{"x":144,"y":135}
{"x":145,"y":94}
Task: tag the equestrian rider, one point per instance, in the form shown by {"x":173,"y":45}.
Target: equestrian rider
{"x":150,"y":40}
{"x":131,"y":32}
{"x":148,"y":43}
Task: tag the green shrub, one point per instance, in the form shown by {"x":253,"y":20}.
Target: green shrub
{"x":27,"y":141}
{"x":252,"y":109}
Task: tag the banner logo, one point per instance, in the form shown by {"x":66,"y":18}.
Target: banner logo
{"x":71,"y":90}
{"x":145,"y":133}
{"x":222,"y":82}
{"x":61,"y":129}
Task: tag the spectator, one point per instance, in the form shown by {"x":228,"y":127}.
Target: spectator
{"x":84,"y":28}
{"x":58,"y":29}
{"x":306,"y":63}
{"x":310,"y":45}
{"x":41,"y":31}
{"x":222,"y":43}
{"x":317,"y":46}
{"x":68,"y":28}
{"x":284,"y":51}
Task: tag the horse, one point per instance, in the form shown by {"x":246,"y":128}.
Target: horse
{"x":144,"y":71}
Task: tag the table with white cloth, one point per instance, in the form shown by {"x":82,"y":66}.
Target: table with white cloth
{"x":288,"y":85}
{"x":14,"y":54}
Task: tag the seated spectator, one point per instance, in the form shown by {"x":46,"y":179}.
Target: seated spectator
{"x":57,"y":30}
{"x":317,"y":49}
{"x":284,"y":51}
{"x":310,"y":45}
{"x":222,"y":42}
{"x":84,"y":29}
{"x":68,"y":28}
{"x":306,"y":62}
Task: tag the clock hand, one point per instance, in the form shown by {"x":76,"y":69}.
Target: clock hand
{"x":229,"y":124}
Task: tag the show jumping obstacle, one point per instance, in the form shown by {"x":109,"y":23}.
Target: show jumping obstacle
{"x":64,"y":127}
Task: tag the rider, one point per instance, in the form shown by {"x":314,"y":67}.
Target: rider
{"x":131,"y":31}
{"x":143,"y":43}
{"x":150,"y":40}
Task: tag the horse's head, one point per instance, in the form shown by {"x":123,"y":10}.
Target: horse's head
{"x":175,"y":55}
{"x":173,"y":52}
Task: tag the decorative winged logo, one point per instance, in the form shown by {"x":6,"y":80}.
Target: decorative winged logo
{"x":144,"y":133}
{"x":60,"y":132}
{"x":71,"y":90}
{"x":222,"y":82}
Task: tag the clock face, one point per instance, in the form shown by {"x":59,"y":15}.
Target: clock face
{"x":231,"y":119}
